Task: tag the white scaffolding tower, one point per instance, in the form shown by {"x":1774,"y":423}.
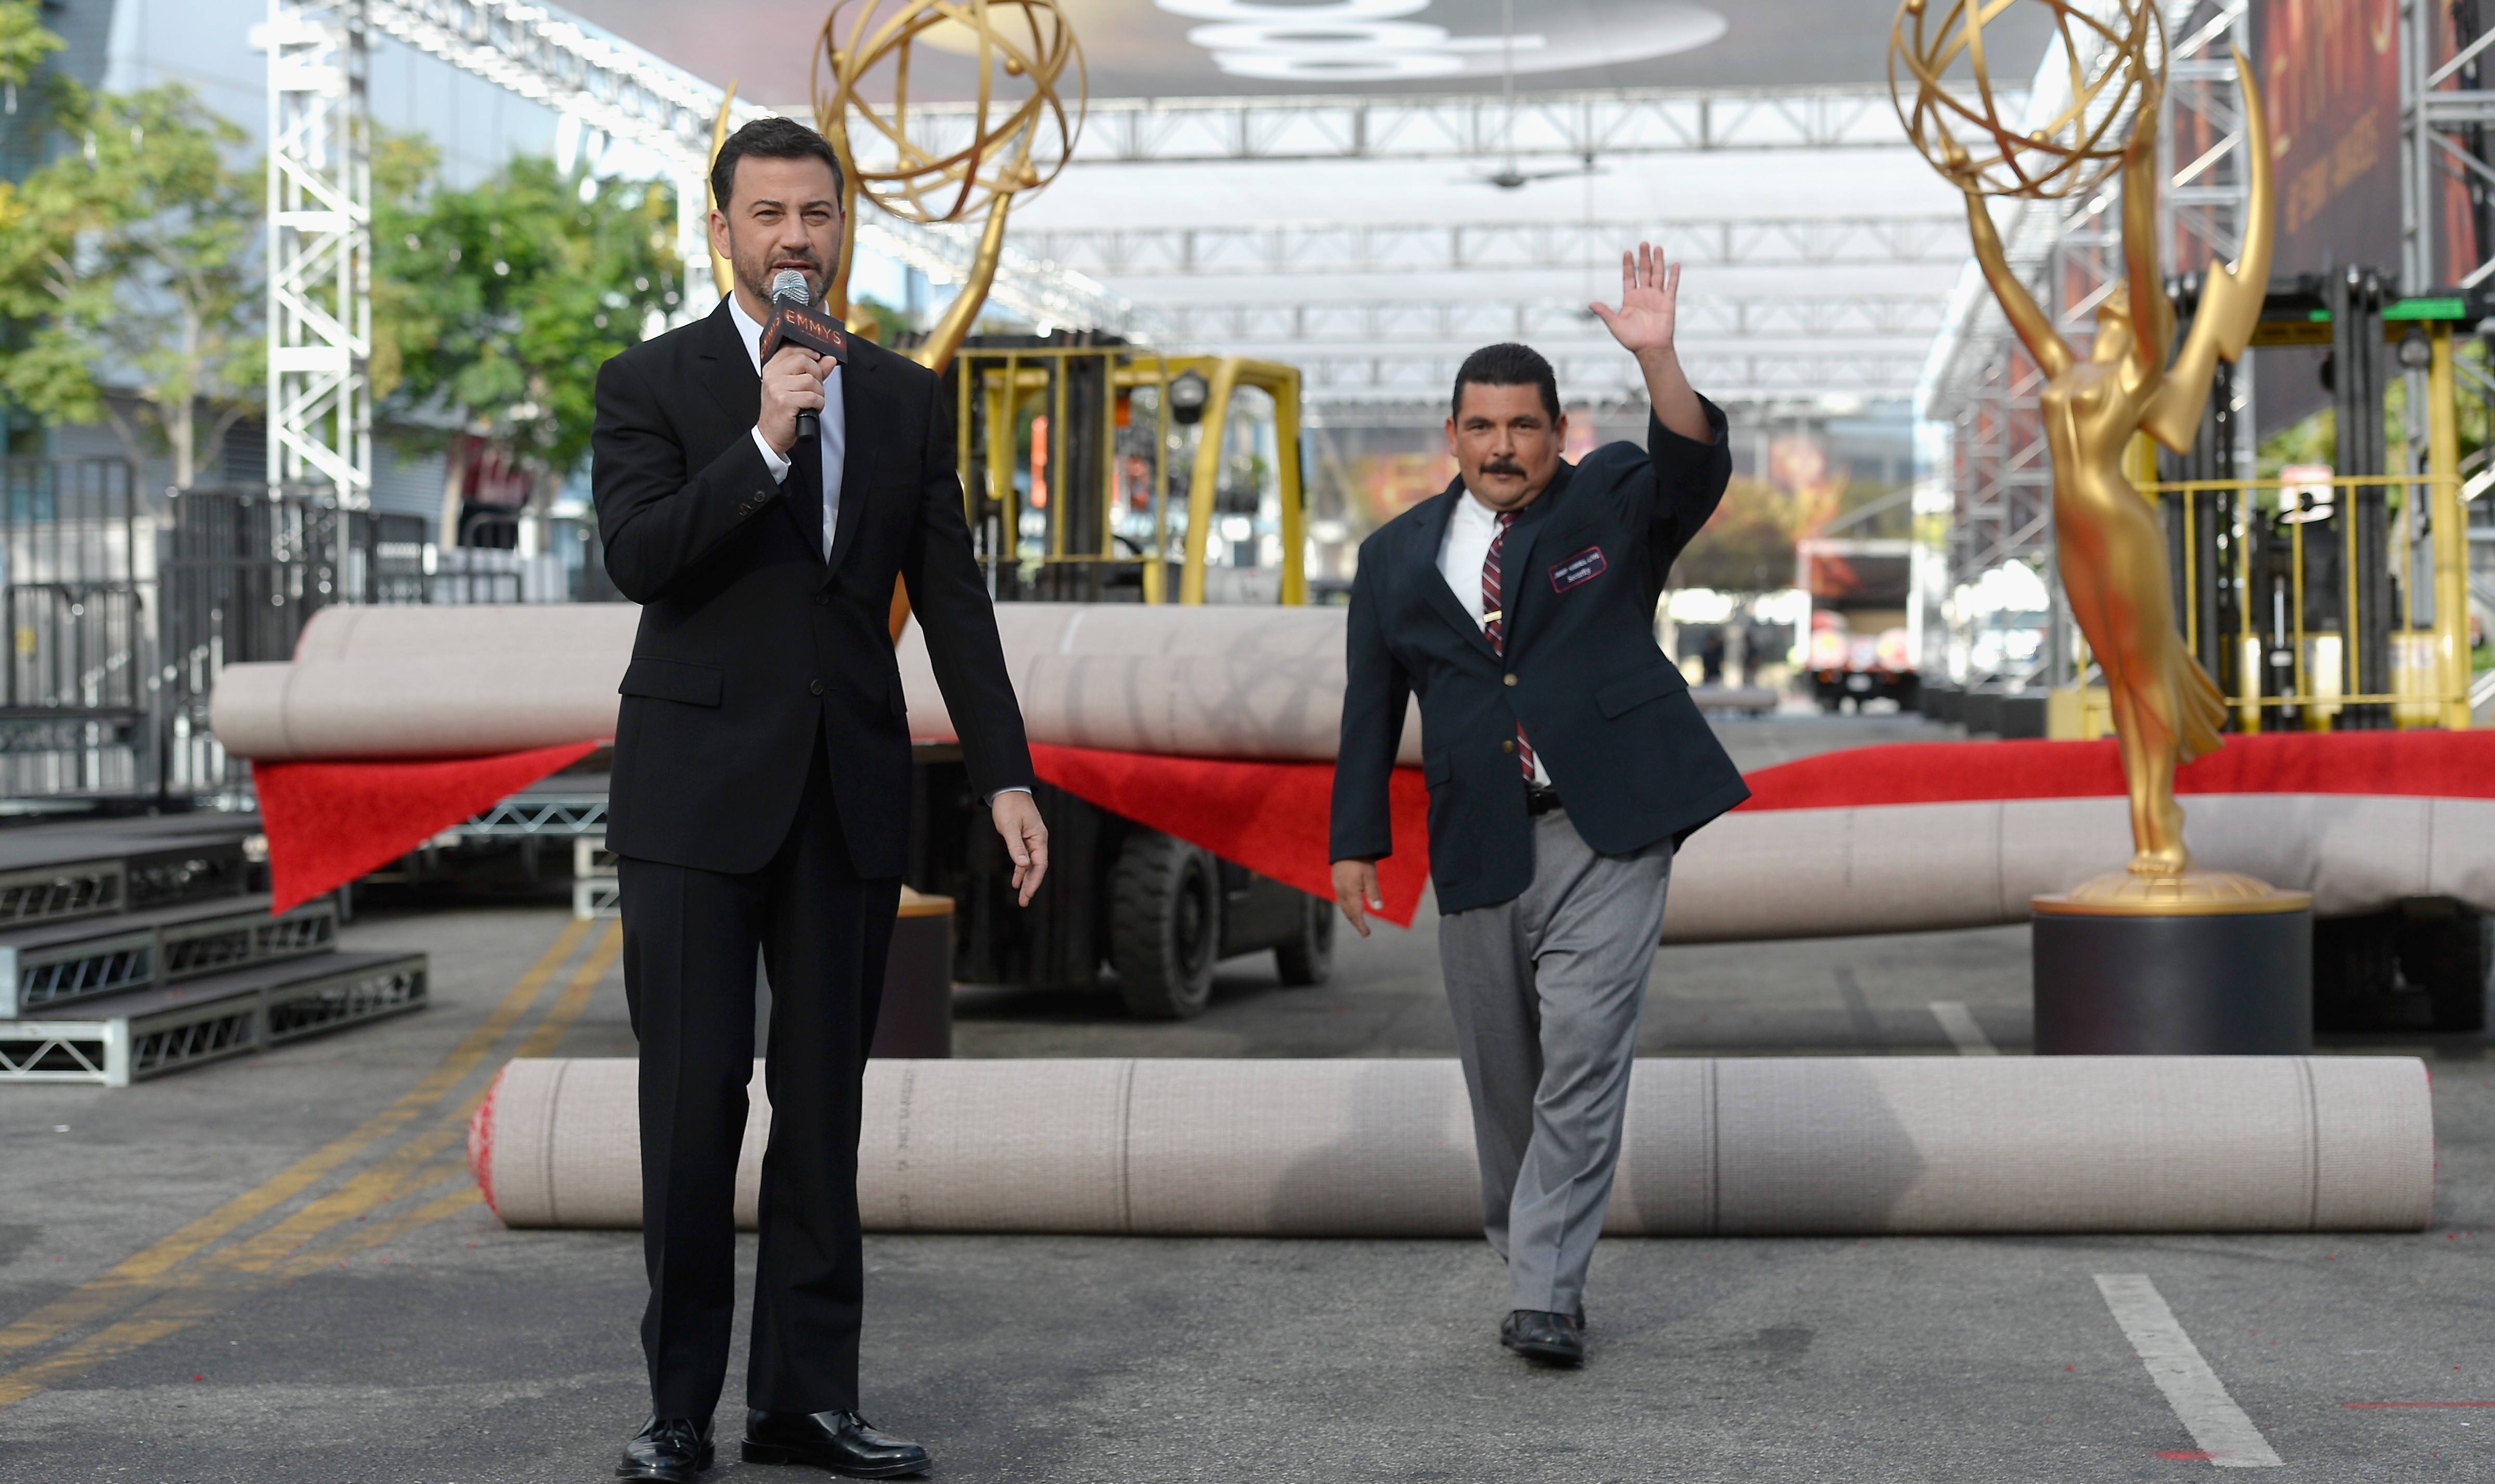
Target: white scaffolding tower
{"x":320,"y":249}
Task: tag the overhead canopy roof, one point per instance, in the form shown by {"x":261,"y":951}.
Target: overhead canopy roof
{"x":1143,"y":47}
{"x":1811,"y":270}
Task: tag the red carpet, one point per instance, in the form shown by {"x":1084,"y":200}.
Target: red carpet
{"x":1269,"y":817}
{"x":2443,"y":764}
{"x":329,"y":823}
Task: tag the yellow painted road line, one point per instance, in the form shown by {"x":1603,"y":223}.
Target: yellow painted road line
{"x":168,"y":1311}
{"x":184,"y":1299}
{"x":117,"y":1284}
{"x":197,"y":1295}
{"x":575,"y":999}
{"x":385,"y":1179}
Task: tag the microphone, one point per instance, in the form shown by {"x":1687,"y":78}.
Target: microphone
{"x":794,"y":323}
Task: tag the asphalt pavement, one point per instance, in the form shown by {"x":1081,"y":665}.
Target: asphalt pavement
{"x":275,"y":1268}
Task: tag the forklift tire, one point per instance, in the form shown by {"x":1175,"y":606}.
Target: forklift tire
{"x":1164,"y":926}
{"x":1308,"y":958}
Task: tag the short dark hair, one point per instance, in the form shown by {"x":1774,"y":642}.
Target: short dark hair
{"x":773,"y":139}
{"x":1507,"y":364}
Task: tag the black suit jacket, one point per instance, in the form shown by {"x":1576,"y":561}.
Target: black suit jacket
{"x":750,"y":645}
{"x":1610,"y":715}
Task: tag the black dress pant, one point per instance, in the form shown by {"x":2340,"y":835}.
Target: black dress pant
{"x":690,"y":942}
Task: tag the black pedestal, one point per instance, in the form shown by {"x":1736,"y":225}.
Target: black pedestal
{"x":916,"y":1018}
{"x":2206,"y":984}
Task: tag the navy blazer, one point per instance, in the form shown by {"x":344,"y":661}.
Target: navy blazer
{"x":1607,"y":714}
{"x":753,"y":649}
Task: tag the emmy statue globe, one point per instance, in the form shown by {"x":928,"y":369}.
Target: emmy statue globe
{"x":2158,"y":957}
{"x":948,"y":168}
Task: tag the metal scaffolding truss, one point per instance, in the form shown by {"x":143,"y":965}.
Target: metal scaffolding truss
{"x":547,"y":57}
{"x":1440,"y":247}
{"x":1584,"y":123}
{"x":319,"y":247}
{"x":1477,"y":321}
{"x":320,"y":197}
{"x":1604,"y":372}
{"x":2444,"y":111}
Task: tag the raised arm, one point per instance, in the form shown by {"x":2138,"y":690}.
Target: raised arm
{"x":656,"y":518}
{"x":2231,"y":298}
{"x":2035,"y":330}
{"x":2152,"y":314}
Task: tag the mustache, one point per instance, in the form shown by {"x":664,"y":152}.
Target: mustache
{"x":1503,"y":466}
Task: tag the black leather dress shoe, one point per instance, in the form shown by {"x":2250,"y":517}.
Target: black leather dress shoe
{"x":1550,"y":1339}
{"x":841,"y":1442}
{"x":673,"y":1450}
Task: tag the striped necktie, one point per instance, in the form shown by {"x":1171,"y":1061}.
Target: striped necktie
{"x":1494,"y":625}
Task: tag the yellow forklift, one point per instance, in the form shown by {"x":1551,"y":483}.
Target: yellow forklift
{"x":1103,"y":472}
{"x":1095,"y":471}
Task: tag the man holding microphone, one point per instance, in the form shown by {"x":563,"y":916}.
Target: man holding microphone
{"x":1564,"y":760}
{"x":760,"y":797}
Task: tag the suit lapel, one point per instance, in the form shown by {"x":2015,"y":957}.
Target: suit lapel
{"x":860,"y":435}
{"x":1428,"y":538}
{"x":733,"y":382}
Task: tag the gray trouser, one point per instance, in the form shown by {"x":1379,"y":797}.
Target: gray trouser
{"x":1546,"y":991}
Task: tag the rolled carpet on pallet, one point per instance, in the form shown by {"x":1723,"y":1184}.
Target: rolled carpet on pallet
{"x":1753,"y":1147}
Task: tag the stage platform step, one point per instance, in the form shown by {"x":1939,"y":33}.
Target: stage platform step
{"x":147,"y":1033}
{"x":80,"y":868}
{"x":88,"y":959}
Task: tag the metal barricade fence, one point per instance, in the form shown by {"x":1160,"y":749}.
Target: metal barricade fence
{"x":74,"y":707}
{"x":122,"y":611}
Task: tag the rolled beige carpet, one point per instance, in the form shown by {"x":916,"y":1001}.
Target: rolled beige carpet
{"x":1758,"y":1146}
{"x":1796,"y":873}
{"x":418,"y":680}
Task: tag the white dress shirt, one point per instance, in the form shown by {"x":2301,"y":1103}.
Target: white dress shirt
{"x":1461,"y":551}
{"x":832,"y":426}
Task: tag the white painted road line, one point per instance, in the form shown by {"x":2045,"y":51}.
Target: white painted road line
{"x":1962,"y":1031}
{"x":2195,"y":1392}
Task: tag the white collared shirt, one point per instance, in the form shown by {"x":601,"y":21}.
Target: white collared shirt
{"x":1461,"y":551}
{"x":832,"y":428}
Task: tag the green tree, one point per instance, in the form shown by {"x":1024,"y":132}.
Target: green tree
{"x":25,"y":45}
{"x":129,"y":262}
{"x":494,"y":306}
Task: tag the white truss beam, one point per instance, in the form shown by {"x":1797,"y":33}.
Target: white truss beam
{"x":1607,"y":374}
{"x":545,"y":56}
{"x":1582,"y":124}
{"x":1908,"y":319}
{"x":1438,"y":247}
{"x":320,"y":195}
{"x":320,"y":249}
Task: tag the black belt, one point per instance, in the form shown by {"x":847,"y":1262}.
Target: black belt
{"x":1539,"y":799}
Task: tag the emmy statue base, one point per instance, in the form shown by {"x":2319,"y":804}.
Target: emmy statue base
{"x":2208,"y":963}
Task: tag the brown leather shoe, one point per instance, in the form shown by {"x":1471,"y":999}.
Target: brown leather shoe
{"x":842,"y":1441}
{"x":672,"y":1450}
{"x":1546,"y":1339}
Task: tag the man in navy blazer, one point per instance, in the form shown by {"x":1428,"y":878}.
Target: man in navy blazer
{"x":1564,"y":760}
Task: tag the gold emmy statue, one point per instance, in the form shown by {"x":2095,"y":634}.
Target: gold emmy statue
{"x":1016,"y":141}
{"x":1013,"y":147}
{"x":2109,"y":542}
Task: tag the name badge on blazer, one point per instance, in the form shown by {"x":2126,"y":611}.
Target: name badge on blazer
{"x":1578,"y":570}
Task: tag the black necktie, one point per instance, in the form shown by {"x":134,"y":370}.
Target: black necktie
{"x":805,"y":489}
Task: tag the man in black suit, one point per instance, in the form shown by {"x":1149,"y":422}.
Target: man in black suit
{"x":1565,"y":761}
{"x":761,"y":796}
